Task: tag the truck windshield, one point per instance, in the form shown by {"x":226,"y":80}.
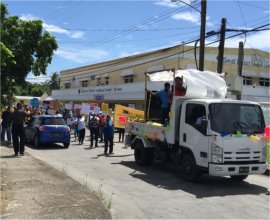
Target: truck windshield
{"x":230,"y":118}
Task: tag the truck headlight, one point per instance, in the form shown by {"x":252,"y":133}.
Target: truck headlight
{"x":217,"y":153}
{"x":216,"y":150}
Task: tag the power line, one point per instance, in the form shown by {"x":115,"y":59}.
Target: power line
{"x":116,"y":30}
{"x":135,"y":27}
{"x":170,"y":55}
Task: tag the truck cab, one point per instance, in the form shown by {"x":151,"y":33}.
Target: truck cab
{"x":223,"y":136}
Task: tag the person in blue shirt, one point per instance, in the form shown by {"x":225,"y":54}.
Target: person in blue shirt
{"x":165,"y":97}
{"x":108,"y":135}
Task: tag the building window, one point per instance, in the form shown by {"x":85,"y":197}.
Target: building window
{"x":98,"y":82}
{"x":247,"y":80}
{"x":106,"y":80}
{"x":67,"y":85}
{"x":128,"y":79}
{"x":85,"y":83}
{"x":264,"y":82}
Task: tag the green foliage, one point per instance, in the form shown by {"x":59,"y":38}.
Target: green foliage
{"x":54,"y":82}
{"x":25,"y":48}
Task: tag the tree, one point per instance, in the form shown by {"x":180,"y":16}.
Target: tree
{"x":54,"y":82}
{"x":25,"y":48}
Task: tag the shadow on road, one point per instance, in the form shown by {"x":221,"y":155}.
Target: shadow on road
{"x":164,"y":176}
{"x":46,"y":146}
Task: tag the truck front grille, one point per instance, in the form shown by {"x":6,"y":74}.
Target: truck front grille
{"x":240,"y":157}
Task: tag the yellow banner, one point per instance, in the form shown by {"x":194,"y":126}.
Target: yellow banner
{"x":104,"y":107}
{"x":123,"y":114}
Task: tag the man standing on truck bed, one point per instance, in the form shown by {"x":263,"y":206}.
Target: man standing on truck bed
{"x":179,"y":89}
{"x":164,"y":96}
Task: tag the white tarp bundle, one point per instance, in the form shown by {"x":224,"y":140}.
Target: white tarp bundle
{"x":199,"y":84}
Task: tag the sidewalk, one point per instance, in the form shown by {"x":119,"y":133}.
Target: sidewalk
{"x":30,"y":189}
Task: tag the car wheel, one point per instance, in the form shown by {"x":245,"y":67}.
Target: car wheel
{"x":66,"y":145}
{"x":36,"y":141}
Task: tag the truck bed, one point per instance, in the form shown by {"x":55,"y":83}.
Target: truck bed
{"x":150,"y":130}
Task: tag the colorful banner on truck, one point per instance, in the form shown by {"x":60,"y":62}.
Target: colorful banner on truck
{"x":122,"y":115}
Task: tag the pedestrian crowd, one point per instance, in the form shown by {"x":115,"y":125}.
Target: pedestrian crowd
{"x":100,"y":126}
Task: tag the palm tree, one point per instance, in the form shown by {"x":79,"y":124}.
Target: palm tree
{"x":54,"y":82}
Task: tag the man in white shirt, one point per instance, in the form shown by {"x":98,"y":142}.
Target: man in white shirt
{"x":81,"y":128}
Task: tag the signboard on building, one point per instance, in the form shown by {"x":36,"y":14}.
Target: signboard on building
{"x":99,"y":98}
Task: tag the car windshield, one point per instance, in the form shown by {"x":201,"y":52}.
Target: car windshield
{"x":230,"y":118}
{"x":53,"y":121}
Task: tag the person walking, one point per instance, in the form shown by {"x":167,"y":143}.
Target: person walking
{"x":75,"y":127}
{"x":108,"y":135}
{"x":5,"y":125}
{"x":121,"y":132}
{"x":94,"y":130}
{"x":101,"y":127}
{"x":81,"y":128}
{"x":17,"y":120}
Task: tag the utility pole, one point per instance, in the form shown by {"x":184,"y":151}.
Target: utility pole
{"x":202,"y":34}
{"x":240,"y":65}
{"x":240,"y":58}
{"x":221,"y":46}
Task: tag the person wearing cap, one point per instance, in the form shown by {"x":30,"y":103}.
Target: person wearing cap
{"x":17,"y":120}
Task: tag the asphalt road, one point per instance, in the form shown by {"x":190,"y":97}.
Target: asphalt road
{"x":157,"y":191}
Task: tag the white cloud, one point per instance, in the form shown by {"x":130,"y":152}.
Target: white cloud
{"x":193,"y":17}
{"x":82,"y":55}
{"x":28,"y":17}
{"x":172,"y":3}
{"x":257,"y":41}
{"x":167,"y":3}
{"x":77,"y":34}
{"x":54,"y":28}
{"x":188,"y":16}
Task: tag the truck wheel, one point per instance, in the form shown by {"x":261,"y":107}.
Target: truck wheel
{"x":239,"y":178}
{"x":189,"y":168}
{"x":143,"y":156}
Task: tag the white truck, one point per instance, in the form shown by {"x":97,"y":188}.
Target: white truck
{"x":217,"y":136}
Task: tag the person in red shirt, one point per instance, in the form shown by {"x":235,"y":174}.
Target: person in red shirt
{"x":179,"y":89}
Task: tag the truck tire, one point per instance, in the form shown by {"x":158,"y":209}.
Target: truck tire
{"x":189,"y":168}
{"x":239,"y":178}
{"x":143,"y":156}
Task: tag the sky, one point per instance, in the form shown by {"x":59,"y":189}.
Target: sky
{"x":93,"y":31}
